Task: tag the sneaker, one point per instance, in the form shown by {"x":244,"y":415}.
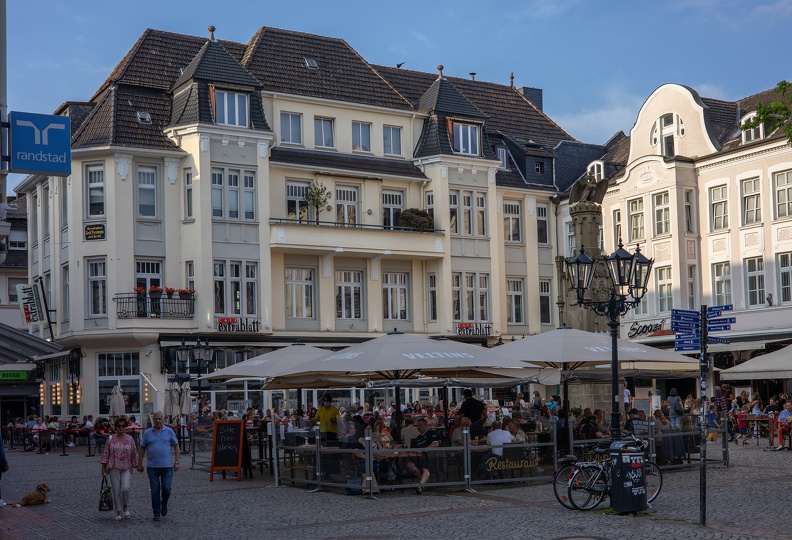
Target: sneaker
{"x":119,"y":517}
{"x":2,"y":503}
{"x":127,"y":514}
{"x":70,"y":445}
{"x":779,"y":447}
{"x":164,"y":510}
{"x":156,"y":518}
{"x":419,"y":490}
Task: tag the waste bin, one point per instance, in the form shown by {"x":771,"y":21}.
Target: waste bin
{"x":628,"y":483}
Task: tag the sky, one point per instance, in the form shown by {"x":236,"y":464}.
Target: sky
{"x":597,"y":61}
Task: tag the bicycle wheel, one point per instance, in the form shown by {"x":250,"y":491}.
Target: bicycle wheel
{"x":587,"y":487}
{"x":653,"y":477}
{"x":561,"y":484}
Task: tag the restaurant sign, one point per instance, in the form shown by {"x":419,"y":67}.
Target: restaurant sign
{"x":643,"y":329}
{"x":473,"y":329}
{"x":495,"y":464}
{"x":13,"y":375}
{"x":237,"y":324}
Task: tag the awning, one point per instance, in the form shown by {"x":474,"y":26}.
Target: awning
{"x":63,"y":353}
{"x":18,"y":345}
{"x":18,"y":366}
{"x":775,"y":365}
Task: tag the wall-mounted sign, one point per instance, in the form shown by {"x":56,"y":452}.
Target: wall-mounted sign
{"x":39,"y":143}
{"x":642,"y":329}
{"x":31,"y":304}
{"x":95,"y":232}
{"x":473,"y":329}
{"x":237,"y":324}
{"x":13,"y":375}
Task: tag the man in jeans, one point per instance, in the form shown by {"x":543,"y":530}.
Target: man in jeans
{"x":155,"y":445}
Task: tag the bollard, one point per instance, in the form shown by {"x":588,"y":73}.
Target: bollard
{"x":88,"y":437}
{"x":63,"y":441}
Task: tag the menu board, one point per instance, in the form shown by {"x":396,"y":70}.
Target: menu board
{"x":227,"y":447}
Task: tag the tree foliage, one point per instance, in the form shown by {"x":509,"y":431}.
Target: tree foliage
{"x":417,"y":219}
{"x":775,"y":114}
{"x":317,"y":196}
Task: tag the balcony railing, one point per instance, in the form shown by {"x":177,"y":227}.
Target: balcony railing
{"x":314,"y":223}
{"x":130,"y":306}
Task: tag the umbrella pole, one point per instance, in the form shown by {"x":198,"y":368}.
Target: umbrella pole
{"x":566,"y":405}
{"x":397,"y":414}
{"x":445,"y":407}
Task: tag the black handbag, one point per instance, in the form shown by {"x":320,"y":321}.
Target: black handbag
{"x":105,"y":496}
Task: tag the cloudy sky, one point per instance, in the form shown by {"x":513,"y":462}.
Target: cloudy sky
{"x":596,"y":61}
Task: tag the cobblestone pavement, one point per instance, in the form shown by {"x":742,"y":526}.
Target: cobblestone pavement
{"x":741,"y":502}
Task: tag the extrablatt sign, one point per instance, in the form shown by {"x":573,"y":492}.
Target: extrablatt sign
{"x":31,"y":303}
{"x":39,"y":143}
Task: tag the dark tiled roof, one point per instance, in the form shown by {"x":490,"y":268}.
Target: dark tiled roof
{"x":113,"y":122}
{"x":434,"y":138}
{"x":443,"y":97}
{"x":186,"y":105}
{"x":216,"y":65}
{"x":76,"y":111}
{"x":572,"y":158}
{"x":748,"y":104}
{"x":277,"y":58}
{"x":507,"y":110}
{"x":722,"y":118}
{"x":373,"y":166}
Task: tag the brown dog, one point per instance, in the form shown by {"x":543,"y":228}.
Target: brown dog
{"x":36,"y":497}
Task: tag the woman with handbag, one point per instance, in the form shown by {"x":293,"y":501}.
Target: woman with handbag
{"x":119,"y":457}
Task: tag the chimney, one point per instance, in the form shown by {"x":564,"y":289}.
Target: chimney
{"x":534,"y":95}
{"x":211,"y":33}
{"x":472,"y":75}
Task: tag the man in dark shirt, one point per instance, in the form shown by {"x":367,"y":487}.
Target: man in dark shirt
{"x":475,"y":410}
{"x":427,"y":438}
{"x":722,"y":406}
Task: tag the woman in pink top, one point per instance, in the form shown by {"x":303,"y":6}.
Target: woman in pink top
{"x":119,"y":457}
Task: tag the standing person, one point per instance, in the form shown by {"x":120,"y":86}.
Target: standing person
{"x":676,"y":409}
{"x":157,"y":442}
{"x":327,"y":418}
{"x":627,"y":399}
{"x":3,"y":466}
{"x":119,"y":457}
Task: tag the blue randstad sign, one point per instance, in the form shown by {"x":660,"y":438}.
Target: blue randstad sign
{"x":40,"y":143}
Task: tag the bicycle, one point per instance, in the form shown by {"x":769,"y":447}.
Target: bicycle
{"x":561,"y":480}
{"x":590,"y":483}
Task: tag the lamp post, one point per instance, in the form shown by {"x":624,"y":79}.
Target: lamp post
{"x":629,"y":274}
{"x":202,"y":355}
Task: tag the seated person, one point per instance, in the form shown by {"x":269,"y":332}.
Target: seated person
{"x":589,"y":427}
{"x":381,"y":436}
{"x":456,"y":436}
{"x":635,"y":424}
{"x":409,"y":432}
{"x":354,"y":461}
{"x":784,"y":424}
{"x":431,"y":419}
{"x":496,"y":438}
{"x":772,"y":407}
{"x":72,"y":425}
{"x":427,"y":438}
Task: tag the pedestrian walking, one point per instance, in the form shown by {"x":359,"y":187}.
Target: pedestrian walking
{"x":161,"y":449}
{"x":3,"y":466}
{"x":119,"y":458}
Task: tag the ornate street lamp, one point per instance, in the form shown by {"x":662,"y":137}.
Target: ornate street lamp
{"x":629,"y":274}
{"x":202,"y":355}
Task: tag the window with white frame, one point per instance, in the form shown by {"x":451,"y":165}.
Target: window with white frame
{"x":65,"y":304}
{"x":392,"y":206}
{"x":545,"y":302}
{"x":689,"y":209}
{"x":512,"y":222}
{"x":64,"y":201}
{"x":752,"y":205}
{"x":595,"y":170}
{"x":429,"y":197}
{"x":395,"y":292}
{"x":33,"y":211}
{"x":218,"y":208}
{"x":691,"y":287}
{"x":148,"y":274}
{"x":347,"y":205}
{"x":635,"y":215}
{"x":297,"y":208}
{"x":539,"y":167}
{"x":120,"y":369}
{"x":235,"y":287}
{"x":785,"y":276}
{"x":361,"y":136}
{"x":300,"y":293}
{"x":503,"y":157}
{"x":617,"y":227}
{"x":719,"y":204}
{"x":640,"y":308}
{"x":349,"y":294}
{"x":219,"y":274}
{"x":431,"y":280}
{"x":481,"y":214}
{"x":189,"y":270}
{"x":17,"y":240}
{"x":754,"y":274}
{"x":232,"y":190}
{"x":515,"y":301}
{"x":229,"y":196}
{"x":188,"y":194}
{"x":453,"y":209}
{"x":752,"y":134}
{"x":456,"y":296}
{"x":249,"y":194}
{"x":391,"y":138}
{"x":45,"y":210}
{"x":231,"y":108}
{"x":12,"y":291}
{"x":666,"y":130}
{"x":97,"y":287}
{"x":542,"y":224}
{"x":291,"y":128}
{"x":662,"y":213}
{"x":323,"y":133}
{"x":470,"y":296}
{"x":467,"y":212}
{"x":721,"y":277}
{"x":483,"y":297}
{"x":466,"y":139}
{"x":147,"y":192}
{"x":571,"y":240}
{"x":665,"y":299}
{"x":96,"y":192}
{"x":783,"y":193}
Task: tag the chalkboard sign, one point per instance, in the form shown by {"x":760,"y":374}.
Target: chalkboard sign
{"x":227,"y":447}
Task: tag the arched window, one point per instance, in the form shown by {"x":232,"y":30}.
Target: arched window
{"x":665,"y":131}
{"x":752,"y":134}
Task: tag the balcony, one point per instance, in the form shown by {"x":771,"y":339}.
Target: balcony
{"x":134,"y":306}
{"x":289,"y":235}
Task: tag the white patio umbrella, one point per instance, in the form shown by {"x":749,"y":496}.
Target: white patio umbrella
{"x":185,"y":399}
{"x":269,"y":364}
{"x":117,"y":405}
{"x":774,"y":365}
{"x":170,"y":406}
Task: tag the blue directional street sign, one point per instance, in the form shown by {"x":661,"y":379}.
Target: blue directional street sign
{"x":685,"y":312}
{"x":684,"y":328}
{"x":692,"y":335}
{"x":718,"y":340}
{"x":39,"y":143}
{"x":718,"y":327}
{"x":727,"y":307}
{"x":687,"y":342}
{"x":681,"y":348}
{"x":723,"y":320}
{"x":713,"y":314}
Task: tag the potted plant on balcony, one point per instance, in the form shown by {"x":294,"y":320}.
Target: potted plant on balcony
{"x":140,"y":291}
{"x":155,"y":292}
{"x":317,"y":196}
{"x":186,"y":294}
{"x":169,"y":292}
{"x":415,"y":218}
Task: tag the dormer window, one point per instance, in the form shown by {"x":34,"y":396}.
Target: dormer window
{"x":311,"y":63}
{"x":466,"y":139}
{"x":754,"y":133}
{"x":503,"y":157}
{"x":143,"y":117}
{"x":595,"y":170}
{"x":231,"y":108}
{"x":667,"y":129}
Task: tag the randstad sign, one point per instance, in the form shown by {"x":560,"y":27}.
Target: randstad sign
{"x":40,"y":143}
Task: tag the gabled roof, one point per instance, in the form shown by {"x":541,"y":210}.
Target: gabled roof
{"x":335,"y":161}
{"x":442,"y":97}
{"x":114,"y":120}
{"x":216,"y":65}
{"x":572,"y":157}
{"x":278,"y":57}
